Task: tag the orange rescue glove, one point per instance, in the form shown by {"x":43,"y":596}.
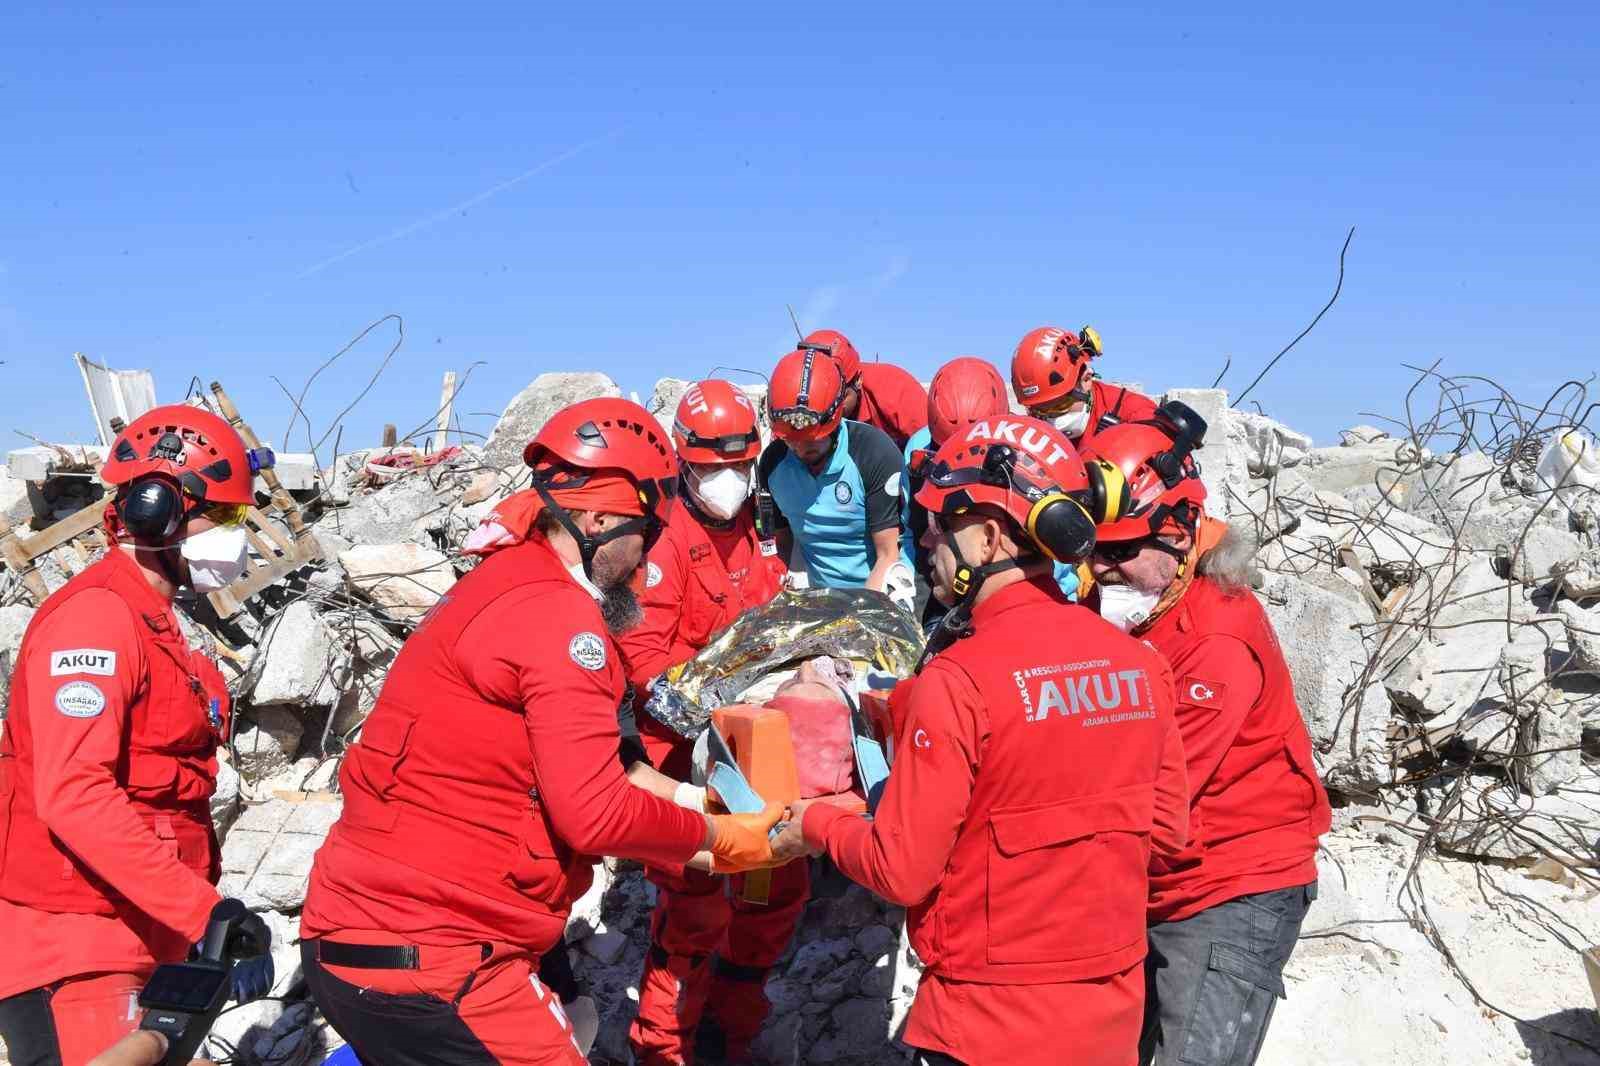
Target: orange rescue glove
{"x":739,"y":841}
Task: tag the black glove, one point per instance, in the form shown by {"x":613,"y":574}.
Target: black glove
{"x":249,"y":948}
{"x":251,"y":944}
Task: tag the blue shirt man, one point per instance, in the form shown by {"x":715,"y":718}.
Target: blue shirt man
{"x":834,"y":509}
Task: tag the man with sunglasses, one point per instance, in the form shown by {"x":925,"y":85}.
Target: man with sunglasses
{"x":1226,"y":913}
{"x":1037,"y":766}
{"x":834,"y":484}
{"x":486,"y":781}
{"x":108,"y":857}
{"x":712,"y":940}
{"x":879,"y":394}
{"x":1052,"y":375}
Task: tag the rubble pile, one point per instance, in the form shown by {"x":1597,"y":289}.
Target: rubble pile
{"x":1435,"y":587}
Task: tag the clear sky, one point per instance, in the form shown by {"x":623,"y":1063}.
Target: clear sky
{"x":234,"y":191}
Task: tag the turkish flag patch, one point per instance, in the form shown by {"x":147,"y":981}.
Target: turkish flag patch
{"x":1200,"y":692}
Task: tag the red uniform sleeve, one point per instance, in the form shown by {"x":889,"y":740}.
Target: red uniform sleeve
{"x":902,"y":853}
{"x":647,"y":648}
{"x":527,"y":651}
{"x":78,"y":721}
{"x":1217,"y":681}
{"x":1169,"y":831}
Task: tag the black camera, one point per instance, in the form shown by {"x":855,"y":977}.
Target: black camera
{"x":182,"y":1000}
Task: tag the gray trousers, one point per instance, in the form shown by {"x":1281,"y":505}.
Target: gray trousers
{"x":1212,"y":981}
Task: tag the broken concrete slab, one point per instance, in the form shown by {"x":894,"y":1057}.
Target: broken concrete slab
{"x":1268,"y":444}
{"x":40,"y":462}
{"x":532,"y":407}
{"x":1346,"y":712}
{"x":1583,"y":635}
{"x":402,"y":511}
{"x":299,"y":661}
{"x":404,"y":579}
{"x":1224,"y":462}
{"x":1343,"y":468}
{"x":266,"y":739}
{"x":225,"y":800}
{"x":16,"y":501}
{"x":266,"y":860}
{"x":1363,"y":434}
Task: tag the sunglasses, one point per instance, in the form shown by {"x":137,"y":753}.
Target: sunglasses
{"x":1117,"y":552}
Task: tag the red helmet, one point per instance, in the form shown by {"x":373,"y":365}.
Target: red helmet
{"x":1050,"y":366}
{"x":1163,"y":487}
{"x":806,"y":396}
{"x":964,"y":390}
{"x":191,"y":446}
{"x":837,"y":345}
{"x":1029,"y":470}
{"x":716,"y":423}
{"x":606,"y":433}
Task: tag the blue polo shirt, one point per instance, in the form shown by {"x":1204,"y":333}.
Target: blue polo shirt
{"x":833,"y":514}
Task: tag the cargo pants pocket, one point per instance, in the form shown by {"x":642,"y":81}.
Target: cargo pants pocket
{"x":1231,"y":1014}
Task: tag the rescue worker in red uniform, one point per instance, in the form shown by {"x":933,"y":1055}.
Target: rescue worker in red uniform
{"x":108,"y":856}
{"x":962,"y":391}
{"x":1052,"y":375}
{"x":709,"y":566}
{"x":1037,"y":767}
{"x":1225,"y":914}
{"x":879,"y":394}
{"x":486,"y":781}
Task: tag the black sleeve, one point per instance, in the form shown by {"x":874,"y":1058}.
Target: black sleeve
{"x":879,"y":463}
{"x":631,"y":750}
{"x":769,"y":518}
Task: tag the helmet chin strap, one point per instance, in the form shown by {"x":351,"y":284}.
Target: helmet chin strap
{"x":587,"y":545}
{"x":968,"y":580}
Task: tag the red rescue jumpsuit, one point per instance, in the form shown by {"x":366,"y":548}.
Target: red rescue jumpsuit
{"x":1038,"y":767}
{"x":892,"y":400}
{"x":1112,"y":405}
{"x":698,"y":579}
{"x":108,"y":857}
{"x":483,"y":787}
{"x":1257,"y":805}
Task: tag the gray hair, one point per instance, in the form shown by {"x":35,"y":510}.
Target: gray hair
{"x":1230,"y":564}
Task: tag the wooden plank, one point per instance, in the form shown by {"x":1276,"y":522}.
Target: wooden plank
{"x":263,"y":576}
{"x":391,"y":436}
{"x":271,"y":531}
{"x":263,"y":548}
{"x":1349,"y":558}
{"x":74,"y":525}
{"x":447,"y":399}
{"x":224,"y":603}
{"x":306,"y":546}
{"x":20,"y":563}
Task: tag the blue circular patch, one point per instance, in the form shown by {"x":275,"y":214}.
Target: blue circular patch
{"x":842,"y":493}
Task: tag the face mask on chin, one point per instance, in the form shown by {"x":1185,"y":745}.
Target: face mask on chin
{"x":721,"y":491}
{"x":216,"y":557}
{"x":1126,"y":607}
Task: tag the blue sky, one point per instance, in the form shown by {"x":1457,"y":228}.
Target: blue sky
{"x":234,"y":191}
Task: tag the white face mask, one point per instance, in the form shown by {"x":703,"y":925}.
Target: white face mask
{"x":1074,"y":422}
{"x":1126,"y":607}
{"x":719,"y":491}
{"x":217,"y":557}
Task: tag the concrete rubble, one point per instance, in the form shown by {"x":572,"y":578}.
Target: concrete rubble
{"x":1438,"y":603}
